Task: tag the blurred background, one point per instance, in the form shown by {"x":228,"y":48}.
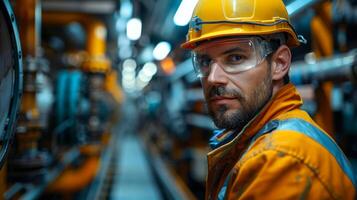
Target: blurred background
{"x":110,"y":105}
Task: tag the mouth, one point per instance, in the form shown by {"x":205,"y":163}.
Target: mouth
{"x":221,"y":99}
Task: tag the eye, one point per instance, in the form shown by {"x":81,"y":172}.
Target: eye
{"x":234,"y":58}
{"x":203,"y":61}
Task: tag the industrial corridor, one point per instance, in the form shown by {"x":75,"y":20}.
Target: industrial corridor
{"x":178,"y":99}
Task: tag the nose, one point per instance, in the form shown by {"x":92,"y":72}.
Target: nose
{"x":216,"y":75}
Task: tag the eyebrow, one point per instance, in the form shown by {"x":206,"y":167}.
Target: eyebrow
{"x":225,"y":52}
{"x":233,"y":50}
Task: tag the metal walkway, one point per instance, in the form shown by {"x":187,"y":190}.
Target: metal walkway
{"x":134,"y":179}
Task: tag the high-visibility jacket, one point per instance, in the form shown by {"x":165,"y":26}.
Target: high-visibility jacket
{"x":280,"y":154}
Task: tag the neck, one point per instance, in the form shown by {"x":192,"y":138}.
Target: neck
{"x":277,"y":85}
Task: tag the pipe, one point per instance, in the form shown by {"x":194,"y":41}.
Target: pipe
{"x":321,"y":31}
{"x":92,"y":7}
{"x":111,"y":86}
{"x":28,"y":127}
{"x":343,"y":11}
{"x":297,"y":6}
{"x":336,"y":69}
{"x":96,"y":38}
{"x":74,"y":180}
{"x":96,"y":47}
{"x":28,"y":14}
{"x":322,"y":45}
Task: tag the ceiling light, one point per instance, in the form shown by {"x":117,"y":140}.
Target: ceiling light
{"x":146,"y":54}
{"x":129,"y":63}
{"x":126,"y":9}
{"x":184,"y":12}
{"x":161,"y":50}
{"x":133,"y":29}
{"x":144,"y":78}
{"x":149,"y":69}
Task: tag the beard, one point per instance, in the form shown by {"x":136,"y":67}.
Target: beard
{"x":251,"y":104}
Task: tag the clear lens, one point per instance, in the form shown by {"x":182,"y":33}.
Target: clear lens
{"x":232,"y":55}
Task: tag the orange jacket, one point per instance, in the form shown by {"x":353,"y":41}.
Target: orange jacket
{"x":281,"y":154}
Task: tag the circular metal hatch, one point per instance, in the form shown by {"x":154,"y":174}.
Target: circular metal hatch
{"x":10,"y":76}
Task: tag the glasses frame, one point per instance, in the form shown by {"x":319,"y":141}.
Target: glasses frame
{"x":261,"y":47}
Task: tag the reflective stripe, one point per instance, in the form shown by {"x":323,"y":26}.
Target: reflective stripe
{"x":222,"y":192}
{"x":316,"y":134}
{"x":220,"y":137}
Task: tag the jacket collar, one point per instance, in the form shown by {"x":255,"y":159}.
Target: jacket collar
{"x":286,"y":99}
{"x":228,"y":152}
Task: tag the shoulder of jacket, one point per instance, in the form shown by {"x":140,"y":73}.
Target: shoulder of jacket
{"x":272,"y":145}
{"x":285,"y":142}
{"x":276,"y":156}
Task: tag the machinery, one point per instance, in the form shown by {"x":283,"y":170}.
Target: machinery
{"x":61,"y":120}
{"x":67,"y":111}
{"x":10,"y":83}
{"x":10,"y":77}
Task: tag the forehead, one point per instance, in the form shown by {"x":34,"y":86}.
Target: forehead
{"x":222,"y":45}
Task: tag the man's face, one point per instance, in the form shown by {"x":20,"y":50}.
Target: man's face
{"x":233,"y":99}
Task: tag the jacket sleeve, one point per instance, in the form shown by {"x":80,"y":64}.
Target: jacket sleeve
{"x":271,"y":174}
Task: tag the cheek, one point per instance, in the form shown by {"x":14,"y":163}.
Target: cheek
{"x":242,"y":84}
{"x":248,"y":81}
{"x":205,"y":88}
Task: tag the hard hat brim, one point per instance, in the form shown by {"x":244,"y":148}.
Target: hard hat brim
{"x":291,"y":42}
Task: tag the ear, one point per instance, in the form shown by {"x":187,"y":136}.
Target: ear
{"x":280,"y":62}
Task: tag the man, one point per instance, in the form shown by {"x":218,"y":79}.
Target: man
{"x":269,"y":148}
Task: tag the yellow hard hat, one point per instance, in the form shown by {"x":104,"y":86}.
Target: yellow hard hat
{"x":221,"y":18}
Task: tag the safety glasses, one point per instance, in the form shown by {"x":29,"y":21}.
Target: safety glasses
{"x":232,"y":55}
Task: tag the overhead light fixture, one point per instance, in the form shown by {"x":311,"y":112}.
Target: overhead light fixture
{"x":145,"y":75}
{"x":133,"y":29}
{"x":184,"y":12}
{"x":161,"y":50}
{"x":141,"y":84}
{"x":120,"y":24}
{"x":126,"y":9}
{"x":129,"y":64}
{"x":125,"y":50}
{"x":128,"y":85}
{"x":149,"y":69}
{"x":146,"y":54}
{"x":128,"y":73}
